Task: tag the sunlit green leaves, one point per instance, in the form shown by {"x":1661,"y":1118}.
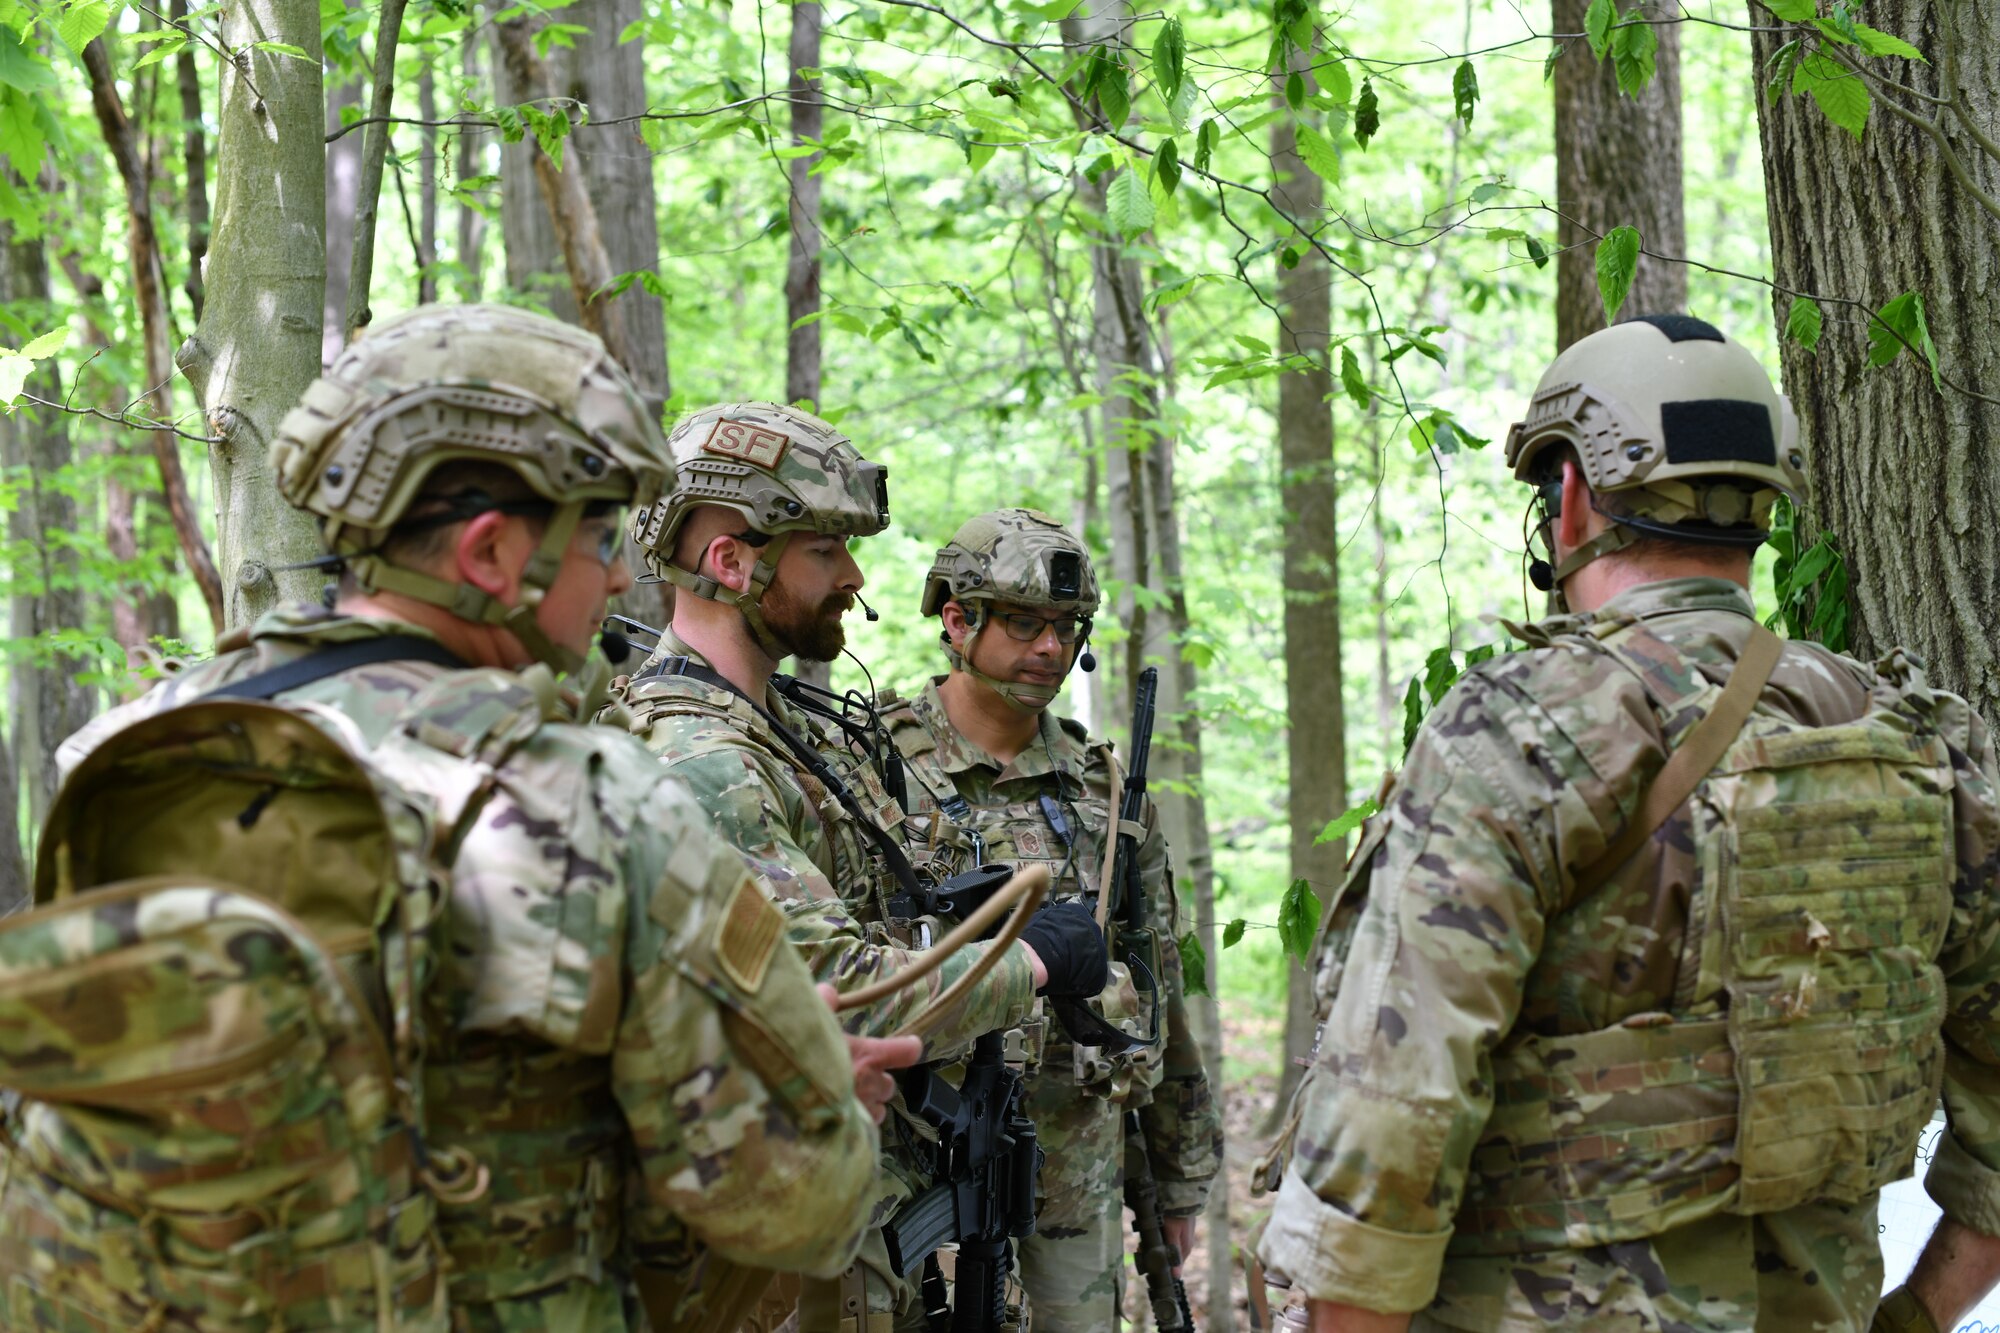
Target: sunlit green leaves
{"x":1194,"y":965}
{"x":1792,"y":11}
{"x":15,"y":367}
{"x":1318,"y":153}
{"x":1838,"y":91}
{"x":1351,"y":382}
{"x":1899,"y":325}
{"x":1349,"y":820}
{"x":1298,"y":920}
{"x":21,"y":70}
{"x":1106,"y":79}
{"x":82,"y":22}
{"x":1128,"y":208}
{"x":1810,"y":590}
{"x":1464,"y":91}
{"x":1802,"y":322}
{"x":1232,"y":934}
{"x":1597,"y":21}
{"x":1617,"y":261}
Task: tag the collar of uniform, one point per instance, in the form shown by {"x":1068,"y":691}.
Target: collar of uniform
{"x":672,"y":645}
{"x":308,"y":623}
{"x":1671,"y":596}
{"x":957,"y":754}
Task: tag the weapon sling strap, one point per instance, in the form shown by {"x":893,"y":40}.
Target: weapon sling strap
{"x":1694,"y":758}
{"x":334,"y":659}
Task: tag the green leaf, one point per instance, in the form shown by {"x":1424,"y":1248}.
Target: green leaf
{"x":1440,"y":672}
{"x":1617,"y":261}
{"x":1802,"y":322}
{"x":1298,"y":920}
{"x":1464,"y":91}
{"x":1317,"y":151}
{"x":1367,"y":114}
{"x":1295,"y":90}
{"x":1487,"y":191}
{"x":1254,"y":346}
{"x":1114,"y":91}
{"x":1878,"y":43}
{"x":1842,"y":97}
{"x":1182,"y":105}
{"x":1898,"y":324}
{"x":1170,"y":59}
{"x":1538,"y":252}
{"x":284,"y":49}
{"x":1351,"y":381}
{"x":20,"y":69}
{"x":1633,"y":49}
{"x":1335,"y":81}
{"x":1128,"y":208}
{"x":1782,"y":64}
{"x":46,"y":346}
{"x":1194,"y":965}
{"x":82,"y":23}
{"x":1413,"y":712}
{"x":1204,"y":145}
{"x":1232,"y":934}
{"x":14,"y":371}
{"x":1597,"y":23}
{"x":1167,"y":165}
{"x":1792,"y":11}
{"x":1348,"y":821}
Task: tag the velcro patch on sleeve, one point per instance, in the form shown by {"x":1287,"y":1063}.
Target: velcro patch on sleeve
{"x":759,"y":446}
{"x":748,"y":936}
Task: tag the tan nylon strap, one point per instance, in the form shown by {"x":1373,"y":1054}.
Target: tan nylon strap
{"x":1694,"y":758}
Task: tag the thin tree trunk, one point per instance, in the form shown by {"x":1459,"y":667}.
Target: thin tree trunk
{"x":343,"y":201}
{"x":1618,"y":164}
{"x":46,"y":700}
{"x":1904,"y":476}
{"x":566,"y":194}
{"x":802,"y":363}
{"x":13,"y":861}
{"x":427,"y":189}
{"x":194,"y":163}
{"x":1315,"y":747}
{"x":258,"y":344}
{"x":149,"y":290}
{"x":375,"y":149}
{"x":472,"y":162}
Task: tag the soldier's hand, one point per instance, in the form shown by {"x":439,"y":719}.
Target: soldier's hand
{"x":873,"y":1058}
{"x":1064,"y":937}
{"x":1180,"y":1235}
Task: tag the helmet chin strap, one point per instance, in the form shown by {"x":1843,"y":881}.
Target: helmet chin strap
{"x":481,"y":607}
{"x":749,"y":602}
{"x":1020,"y":696}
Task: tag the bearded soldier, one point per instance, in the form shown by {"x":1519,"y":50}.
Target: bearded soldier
{"x":754,"y":536}
{"x":1645,"y":980}
{"x":995,"y":777}
{"x":630,"y":1081}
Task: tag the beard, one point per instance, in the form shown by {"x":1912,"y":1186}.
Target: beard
{"x":809,"y":633}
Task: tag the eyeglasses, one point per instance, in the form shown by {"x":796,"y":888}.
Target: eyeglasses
{"x":1023,"y":628}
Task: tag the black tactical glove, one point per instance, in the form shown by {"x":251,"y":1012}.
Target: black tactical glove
{"x":1066,"y":938}
{"x":1901,"y":1313}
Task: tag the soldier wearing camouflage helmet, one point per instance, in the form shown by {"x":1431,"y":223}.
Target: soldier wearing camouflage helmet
{"x":630,"y":1068}
{"x":1642,"y":984}
{"x":754,"y":536}
{"x":997,"y":777}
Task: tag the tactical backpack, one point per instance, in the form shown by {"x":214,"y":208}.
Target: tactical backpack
{"x":211,"y":1035}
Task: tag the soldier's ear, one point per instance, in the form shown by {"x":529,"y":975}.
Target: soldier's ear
{"x":491,"y":550}
{"x":956,"y":624}
{"x":729,"y":562}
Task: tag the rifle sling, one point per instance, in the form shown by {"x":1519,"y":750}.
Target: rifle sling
{"x":1694,"y":758}
{"x":335,"y":658}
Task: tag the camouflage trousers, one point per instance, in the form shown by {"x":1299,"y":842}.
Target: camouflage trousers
{"x":1814,"y":1269}
{"x":1073,"y":1266}
{"x":870,"y":1297}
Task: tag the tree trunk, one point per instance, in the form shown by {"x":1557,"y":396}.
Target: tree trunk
{"x":13,"y":862}
{"x":343,"y":201}
{"x":1618,"y":164}
{"x":194,"y":161}
{"x":427,"y":189}
{"x":46,"y":702}
{"x":1905,"y":477}
{"x":802,"y":364}
{"x":258,"y":344}
{"x":374,"y":150}
{"x":1315,"y":745}
{"x":149,"y":291}
{"x":472,"y":156}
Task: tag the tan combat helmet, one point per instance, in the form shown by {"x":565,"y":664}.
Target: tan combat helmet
{"x":477,"y":383}
{"x":1024,"y":557}
{"x":1678,"y":423}
{"x":778,"y":469}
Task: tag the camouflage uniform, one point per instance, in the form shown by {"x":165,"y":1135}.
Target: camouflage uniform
{"x":1072,"y":1267}
{"x":635,"y":1100}
{"x":1522,"y":1113}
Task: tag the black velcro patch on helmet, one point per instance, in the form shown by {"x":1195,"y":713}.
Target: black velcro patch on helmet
{"x":1718,"y":430}
{"x":1683,"y":328}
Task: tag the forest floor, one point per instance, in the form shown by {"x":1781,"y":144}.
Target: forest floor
{"x":1250,"y":1086}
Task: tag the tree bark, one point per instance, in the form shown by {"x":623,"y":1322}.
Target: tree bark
{"x":427,"y":189}
{"x":258,"y":344}
{"x":149,"y":290}
{"x":194,"y":162}
{"x":1905,"y":477}
{"x":802,"y":362}
{"x":1315,"y":738}
{"x":343,"y":201}
{"x":13,"y":862}
{"x":1618,"y":164}
{"x":374,"y":150}
{"x":471,"y":153}
{"x":46,"y":702}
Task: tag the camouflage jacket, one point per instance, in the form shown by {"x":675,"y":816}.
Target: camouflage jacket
{"x":640,"y":1060}
{"x":1007,"y":807}
{"x":1460,"y":938}
{"x":820,"y":866}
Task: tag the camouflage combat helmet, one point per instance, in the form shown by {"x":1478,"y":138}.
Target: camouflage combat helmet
{"x":1020,"y":556}
{"x":476,"y":383}
{"x":1678,"y":423}
{"x":778,"y":469}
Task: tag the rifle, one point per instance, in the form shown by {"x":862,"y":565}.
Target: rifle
{"x":988,"y":1162}
{"x":1157,"y":1257}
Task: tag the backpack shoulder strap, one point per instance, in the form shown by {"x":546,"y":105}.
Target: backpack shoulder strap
{"x":334,"y":659}
{"x":1694,"y":758}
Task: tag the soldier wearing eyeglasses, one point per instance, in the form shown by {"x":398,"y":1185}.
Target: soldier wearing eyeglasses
{"x":993,"y":775}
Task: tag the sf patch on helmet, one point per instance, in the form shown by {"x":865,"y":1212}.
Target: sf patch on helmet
{"x":747,"y":442}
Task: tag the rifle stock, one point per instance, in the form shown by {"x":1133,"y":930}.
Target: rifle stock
{"x":1157,"y":1257}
